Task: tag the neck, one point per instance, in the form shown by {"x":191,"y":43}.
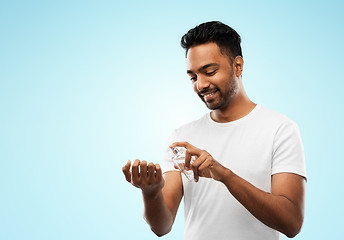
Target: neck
{"x":239,"y":107}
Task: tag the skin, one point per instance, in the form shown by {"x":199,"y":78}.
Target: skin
{"x":211,"y":71}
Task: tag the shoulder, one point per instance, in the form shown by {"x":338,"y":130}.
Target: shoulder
{"x":193,"y":125}
{"x":273,"y":119}
{"x":285,"y":131}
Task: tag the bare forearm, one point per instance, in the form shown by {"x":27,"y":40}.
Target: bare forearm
{"x":149,"y":179}
{"x":275,"y":211}
{"x":282,"y":209}
{"x":157,"y":214}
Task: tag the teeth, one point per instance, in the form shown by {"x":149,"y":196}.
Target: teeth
{"x":209,"y":94}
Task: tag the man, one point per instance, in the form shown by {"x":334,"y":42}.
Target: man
{"x":248,"y":162}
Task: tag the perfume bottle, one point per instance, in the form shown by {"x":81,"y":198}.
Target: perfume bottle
{"x":178,"y":158}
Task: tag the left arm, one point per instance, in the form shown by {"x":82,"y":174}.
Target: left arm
{"x":282,"y":209}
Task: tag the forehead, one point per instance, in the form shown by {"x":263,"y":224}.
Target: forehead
{"x":204,"y":54}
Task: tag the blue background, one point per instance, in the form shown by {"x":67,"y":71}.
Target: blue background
{"x":87,"y":85}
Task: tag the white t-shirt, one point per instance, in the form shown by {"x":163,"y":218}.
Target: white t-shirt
{"x":254,"y":147}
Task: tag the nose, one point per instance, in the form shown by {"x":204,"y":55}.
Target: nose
{"x":202,"y":83}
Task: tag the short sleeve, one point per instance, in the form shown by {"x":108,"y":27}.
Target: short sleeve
{"x":167,"y":164}
{"x":288,"y":152}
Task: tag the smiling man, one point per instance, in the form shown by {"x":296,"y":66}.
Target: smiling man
{"x":247,"y":161}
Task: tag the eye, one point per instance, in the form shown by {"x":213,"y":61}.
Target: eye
{"x":211,"y":73}
{"x":193,"y":79}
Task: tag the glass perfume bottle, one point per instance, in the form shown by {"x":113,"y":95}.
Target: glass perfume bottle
{"x":178,"y":158}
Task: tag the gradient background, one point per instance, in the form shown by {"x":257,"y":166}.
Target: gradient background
{"x":87,"y":85}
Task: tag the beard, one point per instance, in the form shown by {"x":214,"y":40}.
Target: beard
{"x":223,"y":98}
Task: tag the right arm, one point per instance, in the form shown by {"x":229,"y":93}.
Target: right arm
{"x":161,"y":194}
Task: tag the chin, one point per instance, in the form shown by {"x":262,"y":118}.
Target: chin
{"x":217,"y":105}
{"x":213,"y":106}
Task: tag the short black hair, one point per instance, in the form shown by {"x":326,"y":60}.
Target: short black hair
{"x":226,"y":38}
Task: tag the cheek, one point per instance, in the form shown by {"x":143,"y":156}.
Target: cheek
{"x":223,"y":82}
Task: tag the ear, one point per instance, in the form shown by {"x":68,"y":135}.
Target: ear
{"x":238,"y":64}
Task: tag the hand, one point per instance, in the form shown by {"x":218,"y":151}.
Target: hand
{"x":146,"y":177}
{"x":204,"y":164}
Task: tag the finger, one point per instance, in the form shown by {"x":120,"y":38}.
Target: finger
{"x":192,"y":149}
{"x":143,"y":171}
{"x":195,"y":171}
{"x":158,"y":173}
{"x":180,"y":144}
{"x":151,"y":172}
{"x":196,"y":167}
{"x":135,"y":176}
{"x":204,"y":168}
{"x":187,"y":159}
{"x":126,"y":171}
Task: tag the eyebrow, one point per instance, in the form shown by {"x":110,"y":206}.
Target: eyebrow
{"x":203,"y":67}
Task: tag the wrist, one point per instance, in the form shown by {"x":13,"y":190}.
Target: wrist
{"x":150,"y":194}
{"x":226,"y":176}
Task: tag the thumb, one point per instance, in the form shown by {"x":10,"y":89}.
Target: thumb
{"x":126,"y":171}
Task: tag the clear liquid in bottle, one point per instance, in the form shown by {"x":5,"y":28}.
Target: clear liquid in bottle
{"x":178,"y":159}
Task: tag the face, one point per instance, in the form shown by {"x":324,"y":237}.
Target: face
{"x":212,"y":75}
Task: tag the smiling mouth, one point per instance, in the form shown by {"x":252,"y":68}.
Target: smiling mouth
{"x":208,"y":94}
